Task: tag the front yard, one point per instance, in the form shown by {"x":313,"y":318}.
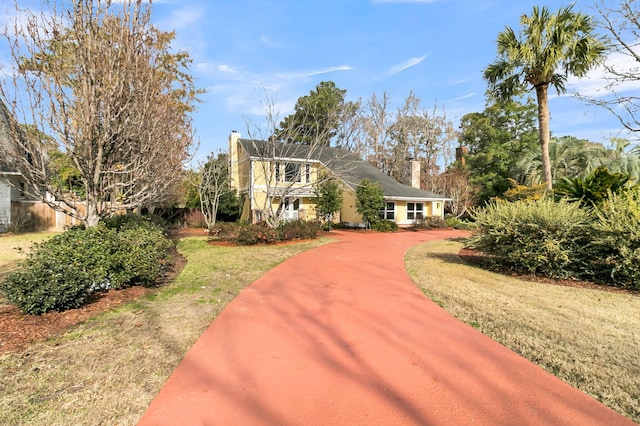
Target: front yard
{"x":108,"y":369}
{"x":588,"y":338}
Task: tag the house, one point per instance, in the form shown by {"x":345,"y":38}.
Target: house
{"x":18,"y":206}
{"x":278,"y":178}
{"x":11,"y":184}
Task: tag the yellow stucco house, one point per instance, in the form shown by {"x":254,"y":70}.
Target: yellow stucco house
{"x":277,"y":179}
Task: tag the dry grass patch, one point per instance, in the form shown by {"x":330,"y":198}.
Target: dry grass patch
{"x":13,"y":248}
{"x":588,"y":338}
{"x":107,"y":370}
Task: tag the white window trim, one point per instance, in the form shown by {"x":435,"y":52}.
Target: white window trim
{"x":386,"y":210}
{"x":415,"y":212}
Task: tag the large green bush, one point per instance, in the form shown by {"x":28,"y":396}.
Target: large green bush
{"x":615,"y":248}
{"x":384,"y":226}
{"x":298,"y":230}
{"x":256,"y":234}
{"x":538,"y":236}
{"x":62,"y":272}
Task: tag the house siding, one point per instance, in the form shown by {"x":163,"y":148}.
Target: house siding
{"x":5,"y":205}
{"x":348,"y":212}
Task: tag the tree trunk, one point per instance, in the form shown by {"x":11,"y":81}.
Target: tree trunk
{"x":91,"y":216}
{"x":543,"y":132}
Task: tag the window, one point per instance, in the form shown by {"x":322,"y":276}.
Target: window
{"x":307,"y":173}
{"x":277,"y":172}
{"x":415,"y":211}
{"x":388,"y":212}
{"x":292,"y":172}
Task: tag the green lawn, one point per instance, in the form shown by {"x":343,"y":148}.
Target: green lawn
{"x":107,"y":370}
{"x":588,"y":338}
{"x":13,"y":248}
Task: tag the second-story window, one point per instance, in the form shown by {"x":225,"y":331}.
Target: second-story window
{"x":307,"y":173}
{"x":278,"y":174}
{"x":292,"y":172}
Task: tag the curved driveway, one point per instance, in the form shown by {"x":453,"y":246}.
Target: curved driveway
{"x":340,"y":335}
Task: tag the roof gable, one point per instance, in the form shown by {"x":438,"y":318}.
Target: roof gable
{"x":7,"y":128}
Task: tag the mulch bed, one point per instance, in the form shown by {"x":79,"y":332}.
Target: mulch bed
{"x":18,"y":330}
{"x":476,"y":258}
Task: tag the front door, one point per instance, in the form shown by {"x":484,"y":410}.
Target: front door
{"x":291,"y":207}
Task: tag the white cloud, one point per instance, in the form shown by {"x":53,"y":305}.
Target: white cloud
{"x":244,"y":92}
{"x":597,"y":83}
{"x":227,"y":69}
{"x":184,"y":17}
{"x":270,"y":43}
{"x":460,"y":98}
{"x":405,"y":65}
{"x":312,"y":73}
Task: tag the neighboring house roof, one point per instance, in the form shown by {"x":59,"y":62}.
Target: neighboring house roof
{"x":6,"y":134}
{"x":348,"y":166}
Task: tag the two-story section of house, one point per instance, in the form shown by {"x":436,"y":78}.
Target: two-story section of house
{"x":279,"y":179}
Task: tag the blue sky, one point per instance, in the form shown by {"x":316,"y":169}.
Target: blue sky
{"x":244,"y":51}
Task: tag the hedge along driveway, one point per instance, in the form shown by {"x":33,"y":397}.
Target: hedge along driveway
{"x":341,"y":335}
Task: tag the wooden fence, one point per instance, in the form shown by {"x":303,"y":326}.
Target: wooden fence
{"x":194,"y":218}
{"x":35,"y":216}
{"x":39,"y":216}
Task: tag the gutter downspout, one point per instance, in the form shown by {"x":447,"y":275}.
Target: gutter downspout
{"x":250,"y":190}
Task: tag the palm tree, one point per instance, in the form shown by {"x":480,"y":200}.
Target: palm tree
{"x":548,"y":49}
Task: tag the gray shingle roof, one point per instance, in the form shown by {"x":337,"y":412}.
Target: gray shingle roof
{"x":349,"y":167}
{"x":6,"y":134}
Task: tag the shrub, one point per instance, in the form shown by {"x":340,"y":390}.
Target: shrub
{"x":595,"y":188}
{"x":62,"y":272}
{"x":369,"y":201}
{"x":261,"y":233}
{"x":66,"y":287}
{"x":225,"y":231}
{"x":463,"y":224}
{"x":141,"y":256}
{"x":430,"y":222}
{"x":539,"y":236}
{"x":135,"y":221}
{"x":298,"y":230}
{"x":524,"y":192}
{"x":616,"y":240}
{"x":384,"y":226}
{"x":256,"y":234}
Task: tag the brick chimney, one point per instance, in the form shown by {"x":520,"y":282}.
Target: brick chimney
{"x":411,"y":172}
{"x":234,"y":137}
{"x":461,"y":152}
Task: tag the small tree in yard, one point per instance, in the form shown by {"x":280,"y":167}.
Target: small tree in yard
{"x":289,"y":156}
{"x":329,"y":199}
{"x":369,"y":201}
{"x":213,"y":185}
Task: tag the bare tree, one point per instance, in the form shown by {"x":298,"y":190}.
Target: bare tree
{"x":388,"y":138}
{"x":212,"y":185}
{"x":285,"y":171}
{"x":623,"y":63}
{"x":375,"y":121}
{"x":454,"y":184}
{"x":102,"y":81}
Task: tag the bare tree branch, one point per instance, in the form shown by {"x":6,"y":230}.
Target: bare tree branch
{"x":101,"y":80}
